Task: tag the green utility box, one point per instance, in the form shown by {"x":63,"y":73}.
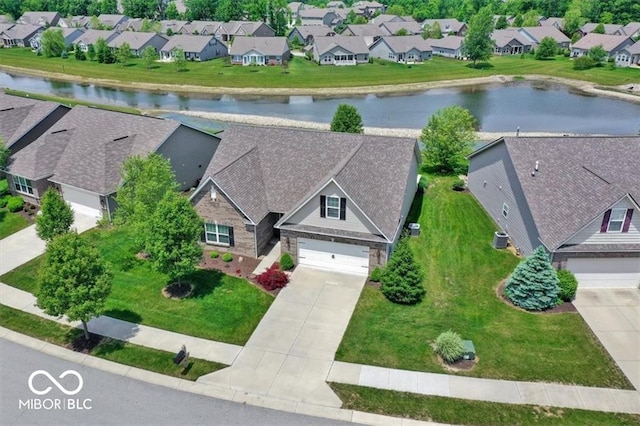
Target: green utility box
{"x":469,"y":351}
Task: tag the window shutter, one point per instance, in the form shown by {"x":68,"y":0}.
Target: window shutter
{"x":605,"y":221}
{"x":323,"y":206}
{"x":343,"y":208}
{"x":231,"y":240}
{"x":627,"y":220}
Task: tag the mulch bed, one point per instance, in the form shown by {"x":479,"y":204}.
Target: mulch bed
{"x":80,"y":344}
{"x":461,"y":365}
{"x":558,"y":309}
{"x":236,"y":268}
{"x":29,"y":212}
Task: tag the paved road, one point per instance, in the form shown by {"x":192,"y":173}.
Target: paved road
{"x":115,"y":399}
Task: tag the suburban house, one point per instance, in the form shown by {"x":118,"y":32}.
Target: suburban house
{"x":449,"y":47}
{"x":23,"y":120}
{"x":171,"y":26}
{"x":295,"y":7}
{"x":448,"y":27}
{"x":629,"y":56}
{"x":381,"y":19}
{"x":19,"y":35}
{"x":610,"y":29}
{"x":510,"y":42}
{"x":82,"y":154}
{"x":199,"y":27}
{"x":112,"y":21}
{"x":403,"y":49}
{"x":333,"y":200}
{"x":317,"y":16}
{"x":368,"y":8}
{"x":133,"y":24}
{"x":369,"y":32}
{"x":195,"y":47}
{"x":228,"y":30}
{"x":70,"y":36}
{"x":536,"y":34}
{"x":556,"y":22}
{"x":78,"y":21}
{"x":138,"y":41}
{"x":43,"y":19}
{"x":576,"y":196}
{"x":340,"y":50}
{"x":305,"y":33}
{"x":396,"y":28}
{"x":610,"y":43}
{"x":336,"y":4}
{"x":632,"y":29}
{"x":259,"y":51}
{"x":90,"y":37}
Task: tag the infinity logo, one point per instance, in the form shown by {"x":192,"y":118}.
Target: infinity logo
{"x":55,"y":382}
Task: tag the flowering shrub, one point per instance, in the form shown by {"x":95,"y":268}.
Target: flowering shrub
{"x":272,"y":278}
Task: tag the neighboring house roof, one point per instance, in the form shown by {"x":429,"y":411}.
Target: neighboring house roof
{"x":578,"y":178}
{"x":449,"y":42}
{"x":270,"y":169}
{"x":39,"y":18}
{"x":18,"y":115}
{"x":21,"y":31}
{"x":393,"y":27}
{"x":552,"y":22}
{"x":446,"y":25}
{"x":314,"y":30}
{"x":608,"y":42}
{"x":380,"y":19}
{"x":355,"y":45}
{"x":136,"y":40}
{"x":502,"y":38}
{"x":239,"y":27}
{"x":173,"y":24}
{"x":403,"y":44}
{"x":336,"y":4}
{"x":6,"y":19}
{"x":631,"y":29}
{"x":133,"y":24}
{"x":92,"y":36}
{"x":608,"y":28}
{"x":295,"y":6}
{"x":364,"y":30}
{"x":269,"y":46}
{"x":78,"y":21}
{"x":634,"y":49}
{"x":112,"y":20}
{"x":538,"y":33}
{"x":188,"y":43}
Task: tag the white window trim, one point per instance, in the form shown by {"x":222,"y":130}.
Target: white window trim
{"x":332,"y":208}
{"x":624,"y":216}
{"x":18,"y":185}
{"x":217,"y":234}
{"x":505,"y":210}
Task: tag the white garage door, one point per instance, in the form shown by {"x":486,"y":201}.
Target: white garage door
{"x":603,"y":273}
{"x":82,"y":201}
{"x":349,"y":258}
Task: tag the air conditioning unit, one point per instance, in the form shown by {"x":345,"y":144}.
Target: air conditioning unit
{"x":500,"y":240}
{"x":414,"y":229}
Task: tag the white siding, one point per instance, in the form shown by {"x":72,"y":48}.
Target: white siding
{"x":309,"y":214}
{"x":606,"y":273}
{"x":338,"y":257}
{"x":591,"y":233}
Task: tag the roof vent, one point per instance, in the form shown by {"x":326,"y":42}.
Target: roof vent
{"x":120,"y":138}
{"x":537,"y":165}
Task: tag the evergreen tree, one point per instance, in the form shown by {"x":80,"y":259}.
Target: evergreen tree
{"x":55,"y":216}
{"x":172,"y":11}
{"x":123,"y":54}
{"x":347,"y":120}
{"x":534,"y":285}
{"x":401,"y":281}
{"x":5,"y":154}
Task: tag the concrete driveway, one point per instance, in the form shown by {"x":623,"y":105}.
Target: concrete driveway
{"x":290,"y":353}
{"x":614,"y":317}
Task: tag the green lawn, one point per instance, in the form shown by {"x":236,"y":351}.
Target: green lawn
{"x":11,"y":223}
{"x":468,"y":412}
{"x":222,"y":307}
{"x":71,"y":102}
{"x":462,"y":272}
{"x":112,"y":350}
{"x":302,"y":73}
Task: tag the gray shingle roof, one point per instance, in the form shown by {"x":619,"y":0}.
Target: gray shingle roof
{"x":608,"y":42}
{"x":92,"y":36}
{"x":314,"y":30}
{"x":18,"y":115}
{"x":449,"y":42}
{"x":403,"y":44}
{"x":269,"y":46}
{"x":410,"y":27}
{"x":39,"y":18}
{"x":39,"y":159}
{"x":634,"y":49}
{"x":577,"y":180}
{"x":112,"y":20}
{"x":446,"y":25}
{"x":353,"y":44}
{"x":22,"y":31}
{"x":265,"y":169}
{"x":502,"y":38}
{"x":541,"y":32}
{"x":189,"y":43}
{"x":631,"y":29}
{"x":608,"y":28}
{"x":365,"y":30}
{"x":136,"y":40}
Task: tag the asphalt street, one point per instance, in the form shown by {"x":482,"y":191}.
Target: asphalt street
{"x":106,"y":398}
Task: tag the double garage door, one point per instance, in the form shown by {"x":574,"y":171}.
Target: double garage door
{"x":606,"y":273}
{"x":338,"y":257}
{"x":83,"y":202}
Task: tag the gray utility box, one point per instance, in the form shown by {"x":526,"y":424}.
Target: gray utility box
{"x":469,"y":352}
{"x":500,"y":240}
{"x":414,"y":229}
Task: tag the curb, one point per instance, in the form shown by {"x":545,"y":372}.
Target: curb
{"x":208,"y":390}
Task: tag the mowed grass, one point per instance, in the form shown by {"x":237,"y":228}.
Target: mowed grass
{"x":110,"y":349}
{"x":10,"y":223}
{"x":222,"y":307}
{"x":302,"y":73}
{"x":462,"y":273}
{"x":468,"y":412}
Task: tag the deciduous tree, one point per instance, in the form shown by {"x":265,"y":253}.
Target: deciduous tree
{"x":123,"y":54}
{"x":599,"y":29}
{"x":478,"y":45}
{"x":598,"y":54}
{"x":347,"y":120}
{"x":547,"y":48}
{"x":4,"y":155}
{"x":56,"y":216}
{"x":501,"y":23}
{"x":149,"y":56}
{"x":53,"y":42}
{"x":179,"y":60}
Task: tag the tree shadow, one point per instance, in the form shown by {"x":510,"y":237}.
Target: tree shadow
{"x":186,"y":370}
{"x":416,"y":207}
{"x":124,"y":315}
{"x":205,"y":281}
{"x":108,"y":346}
{"x":3,"y":215}
{"x":480,"y":66}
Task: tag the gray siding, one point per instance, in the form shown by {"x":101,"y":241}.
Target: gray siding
{"x":189,"y":151}
{"x":381,"y":51}
{"x":591,"y":233}
{"x":412,"y":188}
{"x":493,"y":181}
{"x":264,"y":31}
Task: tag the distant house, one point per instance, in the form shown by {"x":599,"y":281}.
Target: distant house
{"x":295,"y":7}
{"x":70,"y":36}
{"x":340,"y":50}
{"x":393,"y":28}
{"x":576,"y":196}
{"x":43,"y":19}
{"x":536,"y":34}
{"x":368,"y":8}
{"x":629,"y":56}
{"x":133,"y":24}
{"x":305,"y":33}
{"x":226,"y":31}
{"x":610,"y":43}
{"x":403,"y":49}
{"x":199,"y":27}
{"x":609,"y":29}
{"x":196,"y":48}
{"x":173,"y":25}
{"x":138,"y":41}
{"x":369,"y":32}
{"x":259,"y":51}
{"x":317,"y":16}
{"x":447,"y":26}
{"x":632,"y":29}
{"x":510,"y":42}
{"x":381,"y":19}
{"x":19,"y":35}
{"x":78,"y":21}
{"x":112,"y":21}
{"x":90,"y":37}
{"x":449,"y":47}
{"x":558,"y":23}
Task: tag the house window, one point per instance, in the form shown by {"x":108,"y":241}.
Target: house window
{"x":616,"y":220}
{"x":217,"y":234}
{"x":23,"y":185}
{"x":333,"y":207}
{"x":505,"y":210}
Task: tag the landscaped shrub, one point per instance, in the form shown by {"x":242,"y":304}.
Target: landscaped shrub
{"x":214,"y":254}
{"x":64,"y":54}
{"x":533,"y":285}
{"x":422,"y":183}
{"x":401,"y":281}
{"x":449,"y":346}
{"x":568,"y":285}
{"x":273,"y":278}
{"x":4,"y":187}
{"x":458,"y":185}
{"x":376,"y":275}
{"x":227,"y":257}
{"x":15,"y":204}
{"x":583,"y":63}
{"x":286,"y":262}
{"x":4,"y":200}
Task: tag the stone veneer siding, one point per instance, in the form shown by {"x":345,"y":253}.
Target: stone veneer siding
{"x":560,"y":258}
{"x":224,"y":213}
{"x":292,"y":248}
